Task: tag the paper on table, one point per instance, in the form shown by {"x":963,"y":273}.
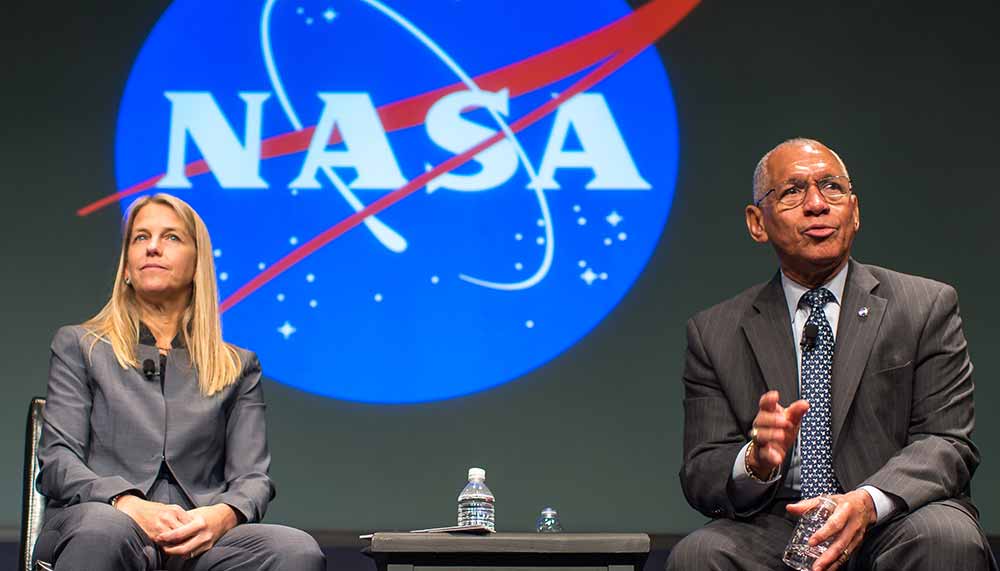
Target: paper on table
{"x":477,"y":529}
{"x":474,"y":529}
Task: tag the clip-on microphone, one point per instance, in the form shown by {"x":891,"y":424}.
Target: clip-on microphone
{"x":149,"y":369}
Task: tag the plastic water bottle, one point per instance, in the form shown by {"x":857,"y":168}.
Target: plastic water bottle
{"x":548,"y":522}
{"x":476,"y":502}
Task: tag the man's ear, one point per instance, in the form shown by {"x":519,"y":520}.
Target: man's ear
{"x":755,"y":224}
{"x":857,"y":212}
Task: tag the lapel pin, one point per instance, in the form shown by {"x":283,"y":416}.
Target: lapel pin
{"x":863,"y":313}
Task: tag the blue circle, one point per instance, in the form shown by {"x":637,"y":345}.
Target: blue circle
{"x":356,"y":320}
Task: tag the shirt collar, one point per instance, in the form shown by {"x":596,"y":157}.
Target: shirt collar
{"x":146,"y":337}
{"x":794,"y":290}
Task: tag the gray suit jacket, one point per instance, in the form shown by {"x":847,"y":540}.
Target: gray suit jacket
{"x":902,"y":389}
{"x":107,"y":429}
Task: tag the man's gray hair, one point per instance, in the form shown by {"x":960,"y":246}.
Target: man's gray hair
{"x":761,"y":175}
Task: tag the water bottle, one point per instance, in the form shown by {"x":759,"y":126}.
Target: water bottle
{"x":475,"y":503}
{"x":548,"y":522}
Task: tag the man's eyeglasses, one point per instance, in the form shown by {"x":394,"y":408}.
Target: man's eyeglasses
{"x":792,"y":193}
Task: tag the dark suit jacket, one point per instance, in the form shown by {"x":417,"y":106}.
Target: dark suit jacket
{"x":902,"y":389}
{"x":108,"y":429}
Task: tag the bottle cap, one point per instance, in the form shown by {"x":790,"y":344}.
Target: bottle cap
{"x":477,"y":474}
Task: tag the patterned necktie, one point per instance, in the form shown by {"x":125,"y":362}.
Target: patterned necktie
{"x":817,"y":364}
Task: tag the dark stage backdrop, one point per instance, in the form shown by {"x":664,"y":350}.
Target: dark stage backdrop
{"x":905,"y":91}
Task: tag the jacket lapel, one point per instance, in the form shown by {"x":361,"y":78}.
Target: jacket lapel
{"x":769,"y":332}
{"x":856,"y":335}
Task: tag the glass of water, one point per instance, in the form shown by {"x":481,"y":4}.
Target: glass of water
{"x":799,"y":554}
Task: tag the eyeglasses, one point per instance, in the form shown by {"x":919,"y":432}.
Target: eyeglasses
{"x":792,"y":193}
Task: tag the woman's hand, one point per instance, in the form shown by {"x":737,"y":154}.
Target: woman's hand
{"x":199,"y":534}
{"x":153,"y":517}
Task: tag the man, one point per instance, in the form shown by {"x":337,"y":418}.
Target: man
{"x":833,"y":378}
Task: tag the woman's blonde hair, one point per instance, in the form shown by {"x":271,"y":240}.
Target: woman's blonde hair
{"x":217,"y":362}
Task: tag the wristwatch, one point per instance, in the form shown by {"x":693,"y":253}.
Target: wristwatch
{"x":114,"y":499}
{"x":753,"y":475}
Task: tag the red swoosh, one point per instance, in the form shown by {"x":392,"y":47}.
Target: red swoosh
{"x":645,"y":25}
{"x":615,"y":44}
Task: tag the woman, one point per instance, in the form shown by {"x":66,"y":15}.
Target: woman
{"x":154,"y":454}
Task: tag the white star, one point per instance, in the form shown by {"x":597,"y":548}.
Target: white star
{"x":614,"y":218}
{"x":309,"y":21}
{"x":435,"y":279}
{"x":313,"y":303}
{"x":582,"y":263}
{"x":261,"y":266}
{"x":519,"y":236}
{"x":217,"y":252}
{"x":281,"y":297}
{"x":293,"y":240}
{"x":310,"y":278}
{"x":378,"y":298}
{"x":588,"y":276}
{"x":286,"y":330}
{"x":529,"y":324}
{"x":581,"y":221}
{"x":329,"y":15}
{"x":518,"y":266}
{"x":622,"y":236}
{"x":224,"y":276}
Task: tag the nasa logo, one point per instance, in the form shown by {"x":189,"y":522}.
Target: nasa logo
{"x":411,"y":200}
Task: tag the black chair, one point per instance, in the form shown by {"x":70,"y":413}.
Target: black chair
{"x":33,"y":502}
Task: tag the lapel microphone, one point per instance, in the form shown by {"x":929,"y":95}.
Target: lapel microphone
{"x":809,"y":334}
{"x":149,"y":369}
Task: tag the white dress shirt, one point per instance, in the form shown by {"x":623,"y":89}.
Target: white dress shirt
{"x":748,"y":491}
